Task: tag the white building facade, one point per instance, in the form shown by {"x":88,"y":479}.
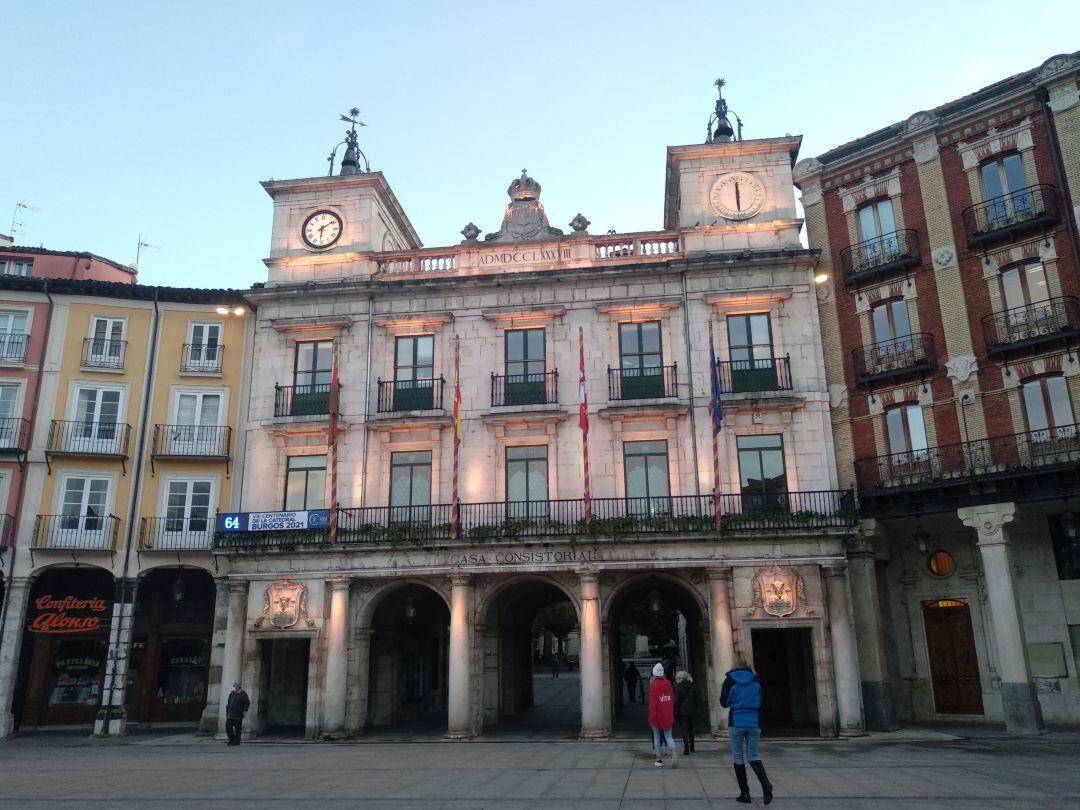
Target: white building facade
{"x":401,"y":614}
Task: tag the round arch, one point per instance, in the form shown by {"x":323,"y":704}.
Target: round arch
{"x":374,"y":600}
{"x":490,"y":601}
{"x":684,"y":593}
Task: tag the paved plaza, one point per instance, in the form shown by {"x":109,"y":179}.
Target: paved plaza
{"x":906,"y":770}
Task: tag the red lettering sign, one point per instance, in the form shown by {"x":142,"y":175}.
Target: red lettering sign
{"x":67,"y":614}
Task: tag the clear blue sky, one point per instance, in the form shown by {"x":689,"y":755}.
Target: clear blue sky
{"x":160,"y":118}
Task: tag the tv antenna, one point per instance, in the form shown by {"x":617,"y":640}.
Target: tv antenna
{"x":138,"y":250}
{"x":22,"y":205}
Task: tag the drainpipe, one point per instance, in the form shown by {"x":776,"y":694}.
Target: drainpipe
{"x":33,"y":422}
{"x":690,"y":376}
{"x":1043,"y":96}
{"x":122,"y":591}
{"x":367,"y":403}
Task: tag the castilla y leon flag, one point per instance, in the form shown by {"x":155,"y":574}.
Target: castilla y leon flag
{"x":455,"y":508}
{"x":717,"y":409}
{"x":583,"y":422}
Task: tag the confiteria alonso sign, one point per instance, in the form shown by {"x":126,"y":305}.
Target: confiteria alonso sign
{"x":68,"y":614}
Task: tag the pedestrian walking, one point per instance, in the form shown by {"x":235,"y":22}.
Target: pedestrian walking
{"x":685,"y":698}
{"x":235,"y":709}
{"x":632,"y":678}
{"x":554,"y":666}
{"x":662,"y":716}
{"x":741,"y":696}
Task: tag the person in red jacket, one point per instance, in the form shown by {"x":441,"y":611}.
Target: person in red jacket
{"x":662,"y":715}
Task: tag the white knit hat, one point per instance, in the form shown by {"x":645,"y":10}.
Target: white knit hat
{"x":658,"y":671}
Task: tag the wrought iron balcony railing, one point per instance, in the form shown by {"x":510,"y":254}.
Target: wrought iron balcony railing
{"x":201,"y":358}
{"x":525,"y":389}
{"x":650,"y":382}
{"x":107,"y":354}
{"x":396,"y":396}
{"x":302,"y":400}
{"x":178,"y":533}
{"x":77,"y":532}
{"x":881,"y":256}
{"x":1011,"y":455}
{"x":611,"y":517}
{"x":13,"y":347}
{"x":89,"y":438}
{"x":999,"y":217}
{"x":14,"y":435}
{"x":1055,"y":320}
{"x":894,"y":359}
{"x":755,"y":375}
{"x":192,"y":441}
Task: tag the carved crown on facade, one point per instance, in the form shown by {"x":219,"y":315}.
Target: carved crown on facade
{"x":524,"y":218}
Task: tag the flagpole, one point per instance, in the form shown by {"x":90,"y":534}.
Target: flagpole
{"x":583,"y":422}
{"x":332,"y":432}
{"x":714,"y":384}
{"x":455,"y":508}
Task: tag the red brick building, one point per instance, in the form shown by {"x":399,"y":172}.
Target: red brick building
{"x":951,"y":326}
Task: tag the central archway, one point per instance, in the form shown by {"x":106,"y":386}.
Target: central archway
{"x":529,"y":636}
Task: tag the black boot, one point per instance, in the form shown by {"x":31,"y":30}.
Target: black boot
{"x":766,"y":785}
{"x":744,"y":787}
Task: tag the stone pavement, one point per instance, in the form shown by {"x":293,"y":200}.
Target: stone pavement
{"x":939,"y":770}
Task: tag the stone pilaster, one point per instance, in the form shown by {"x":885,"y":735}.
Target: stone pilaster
{"x":869,"y":628}
{"x":18,"y":599}
{"x":335,"y":687}
{"x":844,"y":654}
{"x":232,"y":665}
{"x":1020,"y":702}
{"x":112,"y":718}
{"x":595,"y":722}
{"x":362,"y":650}
{"x":721,"y":638}
{"x":459,"y":677}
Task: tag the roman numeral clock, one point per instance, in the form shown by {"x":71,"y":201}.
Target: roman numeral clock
{"x":737,"y":195}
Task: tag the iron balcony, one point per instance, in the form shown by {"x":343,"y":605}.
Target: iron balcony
{"x":13,"y":347}
{"x":302,"y":400}
{"x":397,"y":396}
{"x":1031,"y":208}
{"x":179,"y":533}
{"x":525,"y":389}
{"x":907,"y":356}
{"x":104,"y":354}
{"x":201,"y":358}
{"x":192,"y":441}
{"x":1021,"y":328}
{"x":650,"y":382}
{"x":83,"y":532}
{"x":80,"y":438}
{"x":882,"y":256}
{"x":14,"y":436}
{"x":755,"y":375}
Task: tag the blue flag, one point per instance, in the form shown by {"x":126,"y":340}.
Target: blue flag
{"x":714,"y":378}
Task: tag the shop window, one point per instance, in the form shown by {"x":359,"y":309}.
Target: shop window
{"x":312,"y":371}
{"x":750,"y":349}
{"x":78,"y":666}
{"x":641,"y":360}
{"x":526,"y":364}
{"x":305,"y":482}
{"x":527,"y":481}
{"x":1049,"y":414}
{"x":410,"y":487}
{"x":414,"y":373}
{"x":1004,"y":188}
{"x":762,"y":475}
{"x":645,"y":468}
{"x":1065,"y":537}
{"x":183,"y":667}
{"x":941,"y":564}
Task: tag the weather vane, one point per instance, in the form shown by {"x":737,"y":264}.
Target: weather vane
{"x":349,"y":163}
{"x":723,"y":131}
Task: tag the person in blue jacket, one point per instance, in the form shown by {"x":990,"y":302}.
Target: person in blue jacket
{"x":741,"y":696}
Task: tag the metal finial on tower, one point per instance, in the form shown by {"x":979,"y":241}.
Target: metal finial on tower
{"x":719,"y":129}
{"x":350,"y":164}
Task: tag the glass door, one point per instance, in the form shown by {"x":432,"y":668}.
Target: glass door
{"x":525,"y":367}
{"x":751,"y":351}
{"x":197,"y":430}
{"x":641,"y":360}
{"x":82,"y":521}
{"x":204,"y":350}
{"x":414,"y":372}
{"x":97,"y":416}
{"x":187,"y":514}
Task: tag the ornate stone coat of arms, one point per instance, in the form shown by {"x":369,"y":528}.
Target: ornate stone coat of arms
{"x":778,"y":591}
{"x":284,"y":604}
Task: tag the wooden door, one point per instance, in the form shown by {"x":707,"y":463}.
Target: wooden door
{"x":954,"y":666}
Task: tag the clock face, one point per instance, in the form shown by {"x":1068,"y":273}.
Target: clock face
{"x":737,"y":195}
{"x":321,"y":229}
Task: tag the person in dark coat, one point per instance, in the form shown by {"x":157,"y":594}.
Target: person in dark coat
{"x":235,"y":709}
{"x":632,"y":678}
{"x":741,"y":696}
{"x":555,"y":666}
{"x":685,"y":698}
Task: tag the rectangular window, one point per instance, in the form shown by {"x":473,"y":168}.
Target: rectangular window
{"x":641,"y":360}
{"x":17,"y":267}
{"x":527,"y":481}
{"x":1005,"y":188}
{"x":891,"y":325}
{"x":414,"y":372}
{"x":751,"y":352}
{"x":312,"y":372}
{"x":906,"y":434}
{"x":12,"y":337}
{"x":645,"y":468}
{"x":410,"y":487}
{"x":305,"y":483}
{"x":196,"y":431}
{"x":97,"y":417}
{"x":204,"y":347}
{"x":188,"y":506}
{"x":9,"y":423}
{"x":876,"y":220}
{"x":84,"y":504}
{"x":762,"y":475}
{"x":526,"y":364}
{"x":1048,"y":410}
{"x":106,"y":343}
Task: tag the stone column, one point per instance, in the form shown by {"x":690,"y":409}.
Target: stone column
{"x":112,"y":719}
{"x":232,"y":665}
{"x":18,"y":599}
{"x":362,"y":648}
{"x":460,"y":675}
{"x":208,"y":723}
{"x":869,"y":633}
{"x":722,"y":642}
{"x":336,"y":683}
{"x":1020,"y":702}
{"x":845,"y":657}
{"x":594,"y":710}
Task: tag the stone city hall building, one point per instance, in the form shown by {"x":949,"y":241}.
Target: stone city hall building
{"x":398,"y":620}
